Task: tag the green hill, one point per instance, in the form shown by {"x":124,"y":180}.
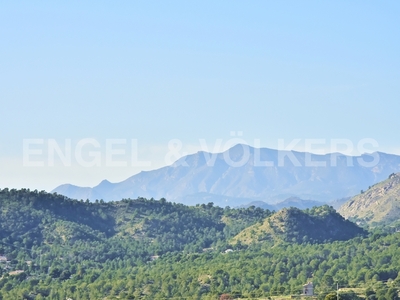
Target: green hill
{"x":316,"y":225}
{"x":52,"y":247}
{"x":380,"y":204}
{"x":31,"y":218}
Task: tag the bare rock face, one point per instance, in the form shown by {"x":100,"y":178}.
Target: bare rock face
{"x":379,"y":204}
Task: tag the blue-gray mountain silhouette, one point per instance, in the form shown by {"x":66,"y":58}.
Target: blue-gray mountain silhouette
{"x":239,"y":176}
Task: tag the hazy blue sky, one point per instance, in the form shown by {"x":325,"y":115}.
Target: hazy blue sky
{"x":155,"y":71}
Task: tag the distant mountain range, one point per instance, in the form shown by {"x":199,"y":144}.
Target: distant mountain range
{"x":289,"y":202}
{"x":297,"y":203}
{"x":244,"y":174}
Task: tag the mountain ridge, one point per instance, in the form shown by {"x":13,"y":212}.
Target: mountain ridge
{"x":244,"y":173}
{"x":289,"y":202}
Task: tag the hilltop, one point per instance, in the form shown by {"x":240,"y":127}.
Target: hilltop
{"x":380,"y":204}
{"x":316,"y":225}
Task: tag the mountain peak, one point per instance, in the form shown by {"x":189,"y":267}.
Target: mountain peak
{"x":244,"y":174}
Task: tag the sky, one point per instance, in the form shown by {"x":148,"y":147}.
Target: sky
{"x":93,"y":90}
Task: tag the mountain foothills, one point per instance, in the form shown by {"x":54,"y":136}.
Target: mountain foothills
{"x":380,"y":203}
{"x":244,"y":174}
{"x":53,"y":247}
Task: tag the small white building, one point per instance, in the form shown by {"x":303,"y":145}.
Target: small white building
{"x":308,"y":289}
{"x":3,"y":258}
{"x":16,"y":272}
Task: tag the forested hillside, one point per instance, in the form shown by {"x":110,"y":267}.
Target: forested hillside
{"x":316,"y":225}
{"x":34,"y":218}
{"x":52,"y":247}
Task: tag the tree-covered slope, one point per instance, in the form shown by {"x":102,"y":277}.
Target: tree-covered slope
{"x":370,"y":265}
{"x":30,"y":218}
{"x":59,"y":248}
{"x":318,"y":224}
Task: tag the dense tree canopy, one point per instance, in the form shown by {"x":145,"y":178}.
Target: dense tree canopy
{"x":58,"y":248}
